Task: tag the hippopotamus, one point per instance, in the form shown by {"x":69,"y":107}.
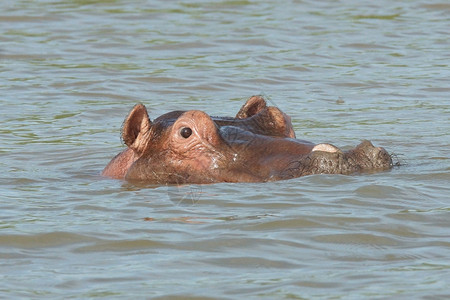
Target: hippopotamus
{"x":257,"y":145}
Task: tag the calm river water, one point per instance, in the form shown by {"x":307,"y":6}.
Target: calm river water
{"x":343,"y":70}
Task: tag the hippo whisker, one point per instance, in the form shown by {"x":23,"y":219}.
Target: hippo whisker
{"x":396,"y":161}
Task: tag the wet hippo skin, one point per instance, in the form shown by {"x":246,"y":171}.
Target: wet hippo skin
{"x":257,"y":145}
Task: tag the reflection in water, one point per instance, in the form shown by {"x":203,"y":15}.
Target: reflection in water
{"x":184,"y":194}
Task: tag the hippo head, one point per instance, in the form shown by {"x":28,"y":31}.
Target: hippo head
{"x":158,"y":146}
{"x":257,"y":145}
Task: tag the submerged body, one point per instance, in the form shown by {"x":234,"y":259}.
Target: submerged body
{"x":257,"y":145}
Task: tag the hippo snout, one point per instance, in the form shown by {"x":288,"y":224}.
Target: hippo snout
{"x":328,"y":159}
{"x":367,"y":156}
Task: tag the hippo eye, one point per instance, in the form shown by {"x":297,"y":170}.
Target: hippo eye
{"x":185,"y":132}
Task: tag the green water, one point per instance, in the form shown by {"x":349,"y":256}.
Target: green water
{"x":344,"y":71}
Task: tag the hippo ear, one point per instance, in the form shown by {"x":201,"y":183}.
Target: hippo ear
{"x":136,"y":125}
{"x":253,"y":106}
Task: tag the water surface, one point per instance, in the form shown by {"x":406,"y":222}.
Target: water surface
{"x":343,"y":70}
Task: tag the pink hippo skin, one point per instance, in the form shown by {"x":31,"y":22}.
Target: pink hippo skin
{"x":257,"y":145}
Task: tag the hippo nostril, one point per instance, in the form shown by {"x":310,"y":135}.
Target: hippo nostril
{"x":185,"y":132}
